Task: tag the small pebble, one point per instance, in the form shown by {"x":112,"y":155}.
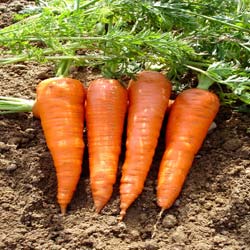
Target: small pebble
{"x":30,"y":133}
{"x":19,"y":66}
{"x":169,"y":221}
{"x":177,"y":203}
{"x":43,"y":75}
{"x":3,"y":9}
{"x":11,"y":167}
{"x":203,"y":246}
{"x":236,"y":170}
{"x":14,"y":141}
{"x":122,"y":226}
{"x":219,"y":239}
{"x":134,"y":234}
{"x":91,"y":230}
{"x":4,"y":164}
{"x":232,"y":144}
{"x":212,"y":127}
{"x":220,"y":201}
{"x":151,"y":245}
{"x":179,"y":235}
{"x":4,"y":147}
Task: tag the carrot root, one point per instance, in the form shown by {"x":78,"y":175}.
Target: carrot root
{"x":105,"y":115}
{"x":155,"y":227}
{"x":189,"y":120}
{"x":63,"y":208}
{"x":148,"y":100}
{"x":60,"y":106}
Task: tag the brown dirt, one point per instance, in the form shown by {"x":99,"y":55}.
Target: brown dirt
{"x":212,"y":212}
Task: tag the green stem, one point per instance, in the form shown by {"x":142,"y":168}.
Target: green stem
{"x":63,"y":68}
{"x":87,"y":57}
{"x":205,"y":80}
{"x":200,"y":71}
{"x":6,"y":61}
{"x":15,"y":105}
{"x":64,"y":65}
{"x":45,"y":52}
{"x":61,"y":38}
{"x":204,"y":63}
{"x":220,"y":21}
{"x":76,"y":4}
{"x":10,"y":60}
{"x":244,"y":46}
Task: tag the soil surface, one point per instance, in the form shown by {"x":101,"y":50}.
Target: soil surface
{"x":212,"y":212}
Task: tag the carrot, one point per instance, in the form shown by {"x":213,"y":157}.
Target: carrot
{"x":189,"y":120}
{"x":105,"y":114}
{"x":60,"y":106}
{"x":148,"y":100}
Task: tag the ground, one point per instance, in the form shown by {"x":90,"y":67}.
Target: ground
{"x":212,"y":212}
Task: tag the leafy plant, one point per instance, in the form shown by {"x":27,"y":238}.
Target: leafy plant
{"x":122,"y":37}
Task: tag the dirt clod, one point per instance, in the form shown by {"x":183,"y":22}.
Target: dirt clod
{"x":169,"y":221}
{"x":232,"y":144}
{"x":179,"y":235}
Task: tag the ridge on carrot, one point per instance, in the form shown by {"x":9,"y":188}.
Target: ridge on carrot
{"x":148,"y":100}
{"x":105,"y":114}
{"x":190,"y":117}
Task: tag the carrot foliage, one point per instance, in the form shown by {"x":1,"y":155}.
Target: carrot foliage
{"x":122,"y":37}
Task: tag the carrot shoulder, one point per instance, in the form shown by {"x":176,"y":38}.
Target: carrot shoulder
{"x":60,"y":106}
{"x":148,"y":100}
{"x":189,"y":120}
{"x":105,"y":114}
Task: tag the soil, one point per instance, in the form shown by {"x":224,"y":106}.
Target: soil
{"x":212,"y":212}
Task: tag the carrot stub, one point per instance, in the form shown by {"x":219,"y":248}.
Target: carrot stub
{"x":105,"y":114}
{"x":189,"y":120}
{"x":60,"y":106}
{"x":148,"y":100}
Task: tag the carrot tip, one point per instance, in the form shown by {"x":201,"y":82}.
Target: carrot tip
{"x":98,"y":206}
{"x":63,"y":209}
{"x":122,"y":214}
{"x":98,"y":209}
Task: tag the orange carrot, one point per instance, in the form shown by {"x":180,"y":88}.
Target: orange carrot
{"x":105,"y":115}
{"x":60,"y":106}
{"x":148,"y":100}
{"x":189,"y":120}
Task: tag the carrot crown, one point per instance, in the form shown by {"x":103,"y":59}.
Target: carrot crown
{"x":63,"y":68}
{"x":204,"y":82}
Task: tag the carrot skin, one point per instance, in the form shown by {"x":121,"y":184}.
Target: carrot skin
{"x":148,"y":100}
{"x":190,"y":117}
{"x":105,"y":114}
{"x":60,"y":106}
